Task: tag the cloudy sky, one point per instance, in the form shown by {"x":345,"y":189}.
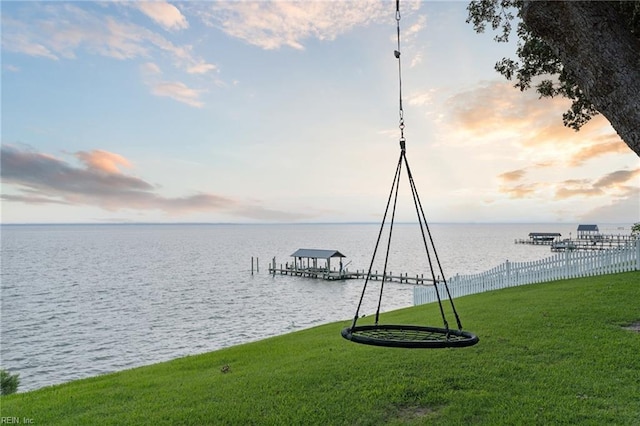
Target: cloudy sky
{"x":281,"y":111}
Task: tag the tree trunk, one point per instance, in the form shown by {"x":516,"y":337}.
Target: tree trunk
{"x":593,"y":42}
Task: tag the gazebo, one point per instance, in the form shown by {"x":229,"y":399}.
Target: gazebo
{"x":542,"y":237}
{"x":312,"y":256}
{"x":586,"y":232}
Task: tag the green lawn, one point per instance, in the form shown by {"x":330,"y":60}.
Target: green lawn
{"x":549,"y":354}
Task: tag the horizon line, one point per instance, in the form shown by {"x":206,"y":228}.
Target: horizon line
{"x":306,"y":223}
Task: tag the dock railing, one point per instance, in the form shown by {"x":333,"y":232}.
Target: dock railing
{"x":568,"y":264}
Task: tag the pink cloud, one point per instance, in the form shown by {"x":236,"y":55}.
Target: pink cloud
{"x":620,"y":182}
{"x":102,"y":160}
{"x":44,"y":179}
{"x":613,"y":146}
{"x":164,"y":14}
{"x":512,"y":176}
{"x":520,"y":191}
{"x":496,"y":109}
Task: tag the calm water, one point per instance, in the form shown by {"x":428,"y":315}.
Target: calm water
{"x":82,"y":300}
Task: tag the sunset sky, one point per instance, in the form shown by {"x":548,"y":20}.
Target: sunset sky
{"x":281,"y":111}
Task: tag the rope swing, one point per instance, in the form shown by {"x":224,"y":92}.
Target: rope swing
{"x":408,"y":336}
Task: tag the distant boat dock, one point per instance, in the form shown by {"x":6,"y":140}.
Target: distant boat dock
{"x":541,"y":238}
{"x":306,"y":264}
{"x":588,"y":238}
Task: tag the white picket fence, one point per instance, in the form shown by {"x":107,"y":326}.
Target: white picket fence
{"x":568,"y":264}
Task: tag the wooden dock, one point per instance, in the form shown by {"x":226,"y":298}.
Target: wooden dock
{"x":598,"y":242}
{"x":606,"y":242}
{"x":332,"y":275}
{"x":540,"y":238}
{"x":534,"y":242}
{"x":306,"y":264}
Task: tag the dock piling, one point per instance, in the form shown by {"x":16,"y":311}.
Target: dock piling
{"x":257,"y":265}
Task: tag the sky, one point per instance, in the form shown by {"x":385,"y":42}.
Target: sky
{"x":277,"y":111}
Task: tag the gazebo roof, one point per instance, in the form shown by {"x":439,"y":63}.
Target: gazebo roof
{"x":317,"y":254}
{"x":544,"y":234}
{"x":588,"y":228}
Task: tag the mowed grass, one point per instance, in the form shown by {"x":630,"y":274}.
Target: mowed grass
{"x":553,"y":353}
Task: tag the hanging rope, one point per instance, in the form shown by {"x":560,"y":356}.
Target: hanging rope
{"x":397,"y":55}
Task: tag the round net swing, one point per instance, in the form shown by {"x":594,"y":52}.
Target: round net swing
{"x":399,"y":335}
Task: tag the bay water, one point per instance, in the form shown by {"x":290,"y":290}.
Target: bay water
{"x":83,"y":300}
